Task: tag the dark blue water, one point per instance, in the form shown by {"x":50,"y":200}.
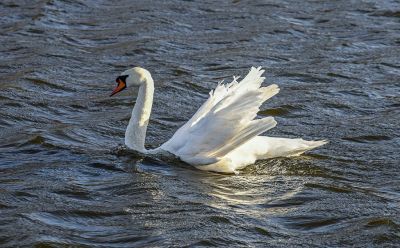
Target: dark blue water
{"x":64,"y":183}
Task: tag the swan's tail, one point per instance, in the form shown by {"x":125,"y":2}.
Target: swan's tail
{"x":305,"y":145}
{"x":283,"y":147}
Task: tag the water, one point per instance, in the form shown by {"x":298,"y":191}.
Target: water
{"x":63,"y":182}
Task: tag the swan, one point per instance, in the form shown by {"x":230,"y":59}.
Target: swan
{"x":223,"y":135}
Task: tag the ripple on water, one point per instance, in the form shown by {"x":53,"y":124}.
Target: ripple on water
{"x":286,"y":111}
{"x":368,"y":138}
{"x":90,"y":228}
{"x":311,"y":223}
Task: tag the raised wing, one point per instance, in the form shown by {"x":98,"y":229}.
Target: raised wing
{"x":224,"y":122}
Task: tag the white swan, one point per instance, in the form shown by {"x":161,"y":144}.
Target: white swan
{"x":222,"y":136}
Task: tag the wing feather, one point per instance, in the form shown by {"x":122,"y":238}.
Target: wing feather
{"x":225,"y":121}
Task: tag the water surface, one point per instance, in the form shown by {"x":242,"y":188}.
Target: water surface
{"x":63,"y":183}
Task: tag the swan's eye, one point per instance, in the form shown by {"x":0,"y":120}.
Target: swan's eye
{"x":122,"y":78}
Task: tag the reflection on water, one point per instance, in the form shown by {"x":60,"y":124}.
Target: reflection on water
{"x":64,"y":180}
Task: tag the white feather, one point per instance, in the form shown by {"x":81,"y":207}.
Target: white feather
{"x":224,"y":121}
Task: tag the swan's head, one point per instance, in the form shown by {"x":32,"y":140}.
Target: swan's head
{"x":130,"y":79}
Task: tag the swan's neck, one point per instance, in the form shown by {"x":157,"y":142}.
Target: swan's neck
{"x":135,"y":133}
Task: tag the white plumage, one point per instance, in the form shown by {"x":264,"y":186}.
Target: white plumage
{"x":223,"y":135}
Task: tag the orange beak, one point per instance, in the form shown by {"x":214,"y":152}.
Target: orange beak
{"x":121,"y":85}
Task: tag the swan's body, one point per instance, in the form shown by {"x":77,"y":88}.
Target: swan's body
{"x":223,"y":134}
